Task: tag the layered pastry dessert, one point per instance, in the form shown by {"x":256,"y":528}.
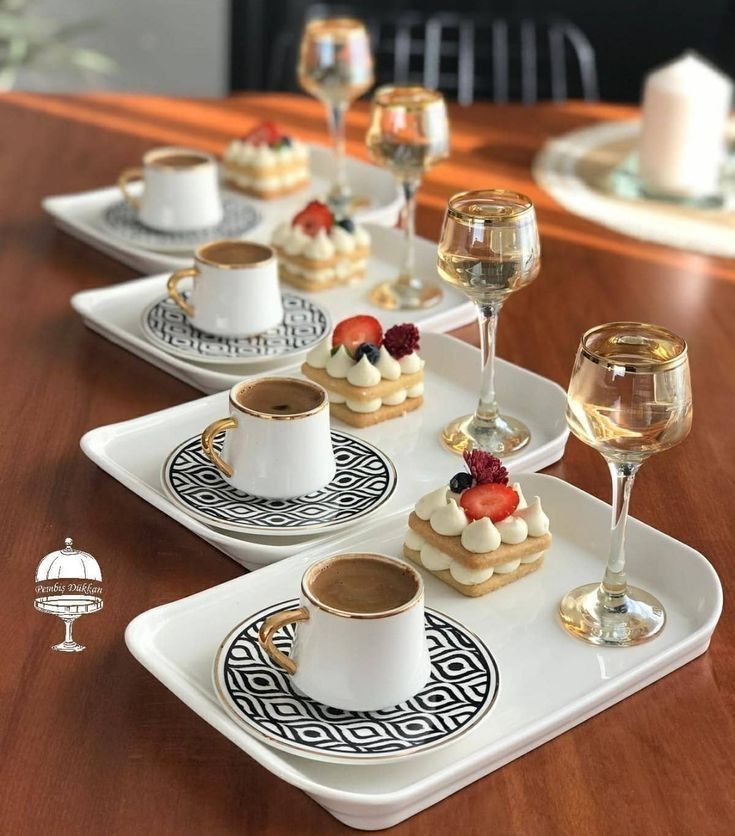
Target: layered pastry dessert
{"x":478,"y":533}
{"x":266,"y":163}
{"x":370,"y":376}
{"x":316,"y":251}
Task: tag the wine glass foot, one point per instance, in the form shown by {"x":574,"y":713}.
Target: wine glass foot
{"x":502,"y":437}
{"x":638,"y":618}
{"x":393,"y":296}
{"x":68,"y":647}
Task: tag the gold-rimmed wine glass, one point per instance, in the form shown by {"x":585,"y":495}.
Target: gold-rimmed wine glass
{"x":336,"y":67}
{"x":488,"y":248}
{"x":629,"y":397}
{"x":408,"y":134}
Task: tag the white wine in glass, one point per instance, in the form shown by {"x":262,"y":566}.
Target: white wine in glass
{"x":488,"y":248}
{"x":336,"y":67}
{"x":408,"y":134}
{"x":629,"y":397}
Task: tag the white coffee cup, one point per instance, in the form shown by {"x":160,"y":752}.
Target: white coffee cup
{"x":180,"y":190}
{"x":235,"y":290}
{"x":355,"y":655}
{"x":278,"y":443}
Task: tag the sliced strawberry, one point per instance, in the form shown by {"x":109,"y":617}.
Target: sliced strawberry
{"x":264,"y":134}
{"x":356,"y":330}
{"x":489,"y":500}
{"x":313,"y":217}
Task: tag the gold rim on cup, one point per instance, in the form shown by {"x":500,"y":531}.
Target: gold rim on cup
{"x":153,"y":156}
{"x":267,"y":253}
{"x":248,"y":384}
{"x":383,"y":558}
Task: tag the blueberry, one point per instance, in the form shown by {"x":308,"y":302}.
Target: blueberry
{"x":460,"y":482}
{"x":347,"y":224}
{"x":372,"y":352}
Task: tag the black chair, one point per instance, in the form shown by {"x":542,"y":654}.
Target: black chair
{"x":466,"y":56}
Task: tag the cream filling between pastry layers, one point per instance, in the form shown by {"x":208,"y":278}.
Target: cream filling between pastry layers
{"x":270,"y":181}
{"x":436,"y":560}
{"x":343,"y":270}
{"x":374,"y":404}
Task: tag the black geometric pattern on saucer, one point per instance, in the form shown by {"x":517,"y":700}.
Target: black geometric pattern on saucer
{"x":364,"y":480}
{"x":304,"y":325}
{"x":463,"y":686}
{"x":239,"y":217}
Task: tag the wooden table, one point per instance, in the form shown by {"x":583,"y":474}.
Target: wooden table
{"x":91,"y":742}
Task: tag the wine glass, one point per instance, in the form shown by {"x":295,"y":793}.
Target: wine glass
{"x":336,"y":66}
{"x":629,"y":397}
{"x":408,"y":134}
{"x":489,"y":248}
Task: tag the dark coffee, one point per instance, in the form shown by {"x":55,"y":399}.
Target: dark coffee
{"x":234,"y":253}
{"x":179,"y":160}
{"x":362,"y":584}
{"x":279,"y":397}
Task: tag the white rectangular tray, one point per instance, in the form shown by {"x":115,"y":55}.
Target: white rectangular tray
{"x":115,"y":311}
{"x":134,"y":451}
{"x":549,"y":681}
{"x":80,"y":214}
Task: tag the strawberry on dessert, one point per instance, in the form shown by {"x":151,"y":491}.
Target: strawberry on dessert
{"x":266,"y":162}
{"x":370,"y":376}
{"x":313,"y":218}
{"x":478,"y":533}
{"x":317,"y":251}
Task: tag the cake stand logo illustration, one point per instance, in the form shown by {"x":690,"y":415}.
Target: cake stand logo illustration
{"x":68,"y":585}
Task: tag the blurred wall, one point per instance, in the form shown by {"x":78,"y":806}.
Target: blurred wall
{"x":166,"y":46}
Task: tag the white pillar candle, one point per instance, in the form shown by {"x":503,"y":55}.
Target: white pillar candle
{"x":685,"y":110}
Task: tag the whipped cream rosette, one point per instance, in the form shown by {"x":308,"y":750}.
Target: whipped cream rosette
{"x":266,"y":163}
{"x":478,"y":533}
{"x":316,"y":251}
{"x":370,"y":376}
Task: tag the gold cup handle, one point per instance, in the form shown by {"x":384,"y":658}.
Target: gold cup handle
{"x":122,"y":183}
{"x":274,"y":623}
{"x":208,"y":443}
{"x":173,"y":292}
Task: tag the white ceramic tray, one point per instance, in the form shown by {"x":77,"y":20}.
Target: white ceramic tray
{"x":81,"y":214}
{"x":115,"y":311}
{"x":134,"y":451}
{"x":550,"y":681}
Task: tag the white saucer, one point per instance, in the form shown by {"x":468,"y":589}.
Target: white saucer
{"x":239,"y":217}
{"x":364,"y":482}
{"x":305,"y":324}
{"x":462,"y":688}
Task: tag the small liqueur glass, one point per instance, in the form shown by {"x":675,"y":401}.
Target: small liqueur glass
{"x":408,"y":134}
{"x":336,"y":67}
{"x":488,"y":248}
{"x":629,"y":397}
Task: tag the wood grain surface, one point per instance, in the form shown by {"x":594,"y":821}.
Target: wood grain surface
{"x":92,"y":743}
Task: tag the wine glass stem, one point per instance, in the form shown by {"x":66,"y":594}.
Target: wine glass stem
{"x":407,"y":274}
{"x":614,"y":586}
{"x":336,"y":112}
{"x":487,"y":408}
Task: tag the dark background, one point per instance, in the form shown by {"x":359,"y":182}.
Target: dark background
{"x":629,"y":37}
